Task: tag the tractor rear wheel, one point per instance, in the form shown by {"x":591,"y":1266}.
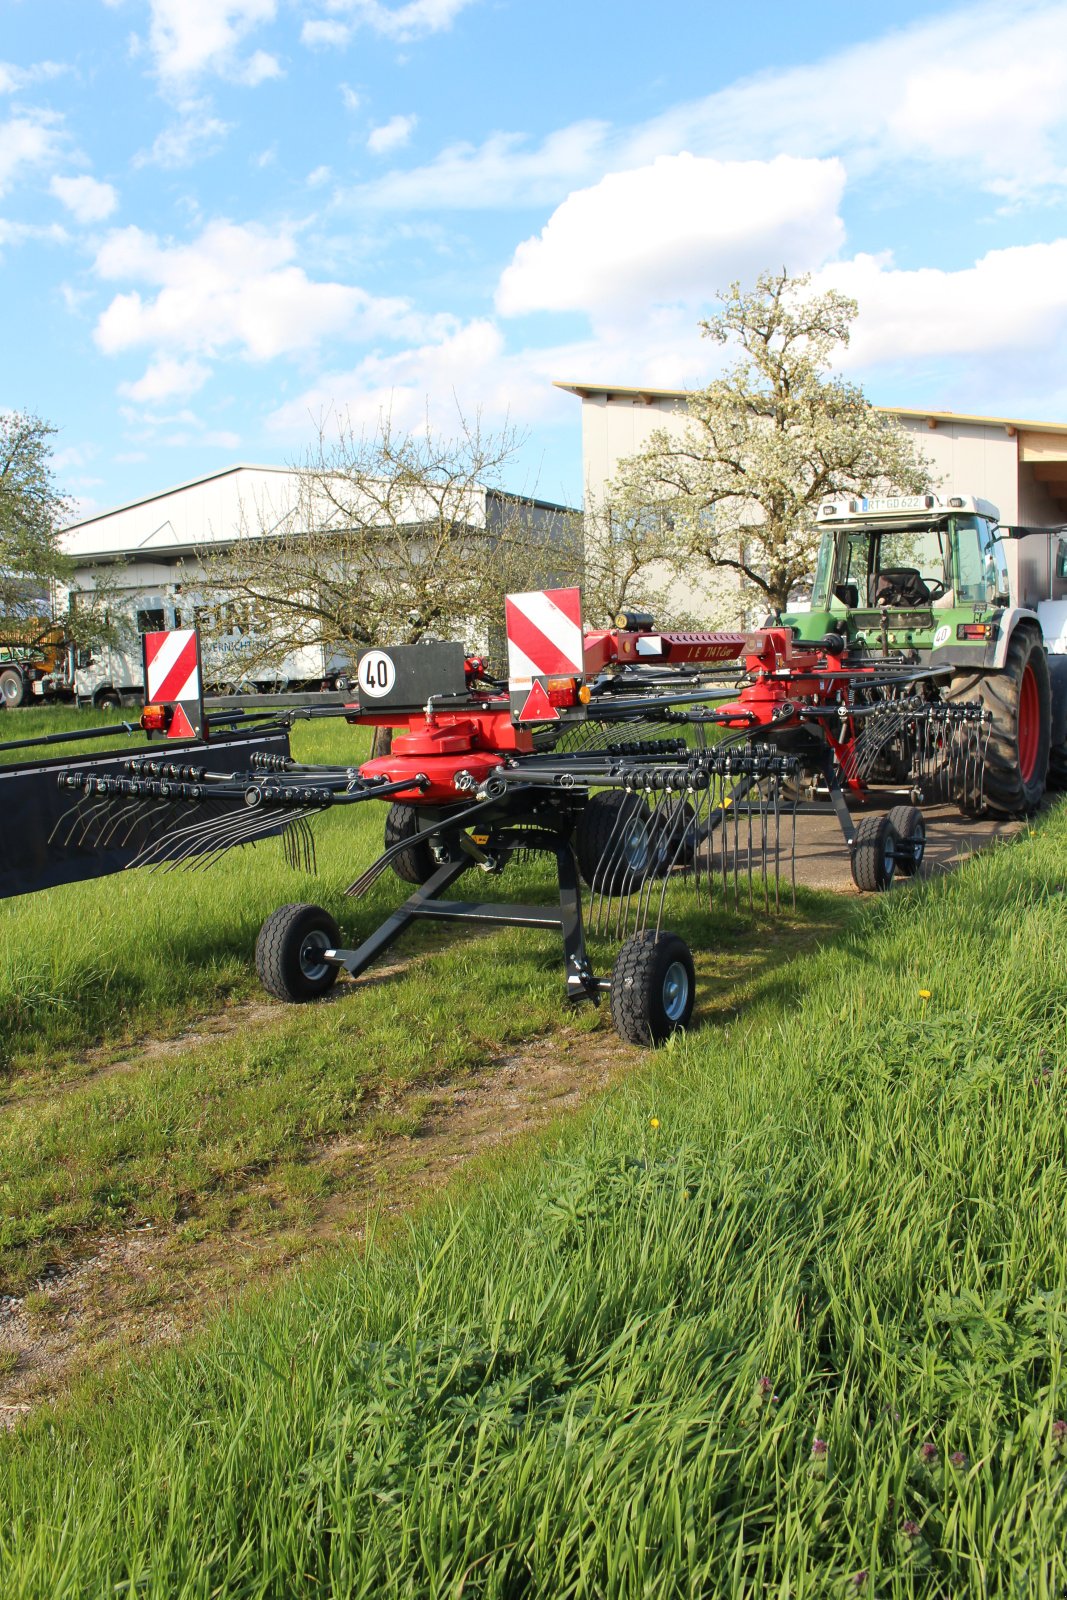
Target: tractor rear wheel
{"x":415,"y":864}
{"x":615,"y":842}
{"x":1019,"y":701}
{"x":874,"y":854}
{"x":290,"y":951}
{"x":909,"y":825}
{"x":653,"y":985}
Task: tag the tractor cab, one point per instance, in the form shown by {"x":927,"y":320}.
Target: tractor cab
{"x":901,"y":573}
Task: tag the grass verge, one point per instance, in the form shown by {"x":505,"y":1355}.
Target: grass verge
{"x":783,"y":1315}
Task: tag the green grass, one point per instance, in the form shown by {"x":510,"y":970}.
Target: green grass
{"x":838,"y":1217}
{"x":102,"y":1131}
{"x":34,"y":722}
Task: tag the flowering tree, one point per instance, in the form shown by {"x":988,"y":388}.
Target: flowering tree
{"x":769,"y":440}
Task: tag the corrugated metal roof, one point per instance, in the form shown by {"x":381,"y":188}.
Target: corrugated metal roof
{"x":647,"y":394}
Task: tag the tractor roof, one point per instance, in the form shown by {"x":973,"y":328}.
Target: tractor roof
{"x":890,"y":508}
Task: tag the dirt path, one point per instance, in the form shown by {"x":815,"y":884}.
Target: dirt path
{"x":151,"y":1286}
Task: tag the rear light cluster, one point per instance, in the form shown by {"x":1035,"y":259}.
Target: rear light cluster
{"x":154,"y":719}
{"x":567,"y":692}
{"x":976,"y":630}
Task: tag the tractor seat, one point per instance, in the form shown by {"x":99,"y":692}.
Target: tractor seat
{"x":900,"y":586}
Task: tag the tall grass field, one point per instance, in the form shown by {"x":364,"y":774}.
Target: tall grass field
{"x":783,"y":1314}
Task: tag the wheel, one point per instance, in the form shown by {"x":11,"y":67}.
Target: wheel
{"x":674,"y":826}
{"x":909,"y":825}
{"x":415,"y":864}
{"x":874,"y":854}
{"x":12,"y":687}
{"x":1057,"y":755}
{"x":108,"y":700}
{"x":1017,"y":753}
{"x":289,"y":953}
{"x":652,"y":987}
{"x":615,"y":842}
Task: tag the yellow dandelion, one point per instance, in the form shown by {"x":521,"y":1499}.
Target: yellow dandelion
{"x":925,"y":994}
{"x":653,"y":1122}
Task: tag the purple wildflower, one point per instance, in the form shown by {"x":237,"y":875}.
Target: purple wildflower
{"x":928,"y":1454}
{"x":959,"y":1459}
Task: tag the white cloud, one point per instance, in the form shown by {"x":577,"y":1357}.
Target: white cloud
{"x":192,"y":37}
{"x":233,"y":290}
{"x":500,"y":172}
{"x":318,"y":177}
{"x":197,"y":132}
{"x":392,"y":135}
{"x":980,"y":91}
{"x":1011,"y":303}
{"x":167,"y":379}
{"x":21,"y":232}
{"x":352,"y":101}
{"x":13,"y":78}
{"x":671,"y":232}
{"x":324,"y":34}
{"x":85,"y":198}
{"x":468,"y":368}
{"x":27,"y":140}
{"x":411,"y":20}
{"x":259,"y":67}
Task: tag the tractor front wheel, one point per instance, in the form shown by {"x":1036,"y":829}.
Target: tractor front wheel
{"x":290,"y":953}
{"x":653,"y":985}
{"x":874,"y":854}
{"x":1018,"y":698}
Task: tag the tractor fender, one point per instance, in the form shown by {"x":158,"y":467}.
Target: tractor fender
{"x":1015,"y":617}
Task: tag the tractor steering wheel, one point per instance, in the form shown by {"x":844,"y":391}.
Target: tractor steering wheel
{"x":937,"y":589}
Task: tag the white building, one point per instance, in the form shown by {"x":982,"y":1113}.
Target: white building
{"x":1020,"y":466}
{"x":152,"y":552}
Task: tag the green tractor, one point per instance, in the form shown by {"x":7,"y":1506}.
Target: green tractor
{"x":939,"y":580}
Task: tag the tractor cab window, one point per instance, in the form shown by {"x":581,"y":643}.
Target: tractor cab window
{"x":909,"y":568}
{"x":150,"y":620}
{"x":970,"y":561}
{"x":850,"y":577}
{"x":824,"y":563}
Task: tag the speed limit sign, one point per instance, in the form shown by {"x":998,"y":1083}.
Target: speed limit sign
{"x":376,"y":674}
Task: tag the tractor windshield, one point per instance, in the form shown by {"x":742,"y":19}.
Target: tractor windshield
{"x":910,"y":567}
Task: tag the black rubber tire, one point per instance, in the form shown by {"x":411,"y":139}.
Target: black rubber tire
{"x":874,"y":854}
{"x":1005,"y":791}
{"x":603,"y":823}
{"x":653,"y":986}
{"x":285,"y":951}
{"x":108,"y":700}
{"x":674,"y":823}
{"x":909,"y":825}
{"x":1057,"y":754}
{"x":415,"y":864}
{"x":13,"y":688}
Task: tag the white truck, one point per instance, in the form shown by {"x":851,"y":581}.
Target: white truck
{"x":112,"y":675}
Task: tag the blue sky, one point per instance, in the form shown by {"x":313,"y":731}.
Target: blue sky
{"x":221,"y":220}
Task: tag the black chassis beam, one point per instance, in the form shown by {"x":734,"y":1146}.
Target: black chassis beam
{"x":512,"y":823}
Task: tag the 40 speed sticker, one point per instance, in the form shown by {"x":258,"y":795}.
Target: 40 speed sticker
{"x":943,"y":635}
{"x":376,"y":674}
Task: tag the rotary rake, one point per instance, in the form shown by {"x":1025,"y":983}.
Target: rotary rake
{"x":655,"y":770}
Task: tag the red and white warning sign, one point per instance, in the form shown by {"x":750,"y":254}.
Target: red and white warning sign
{"x":544,"y":631}
{"x":172,"y":677}
{"x":172,"y":666}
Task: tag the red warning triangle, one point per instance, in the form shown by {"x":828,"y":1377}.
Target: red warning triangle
{"x":180,"y":726}
{"x":538,"y":707}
